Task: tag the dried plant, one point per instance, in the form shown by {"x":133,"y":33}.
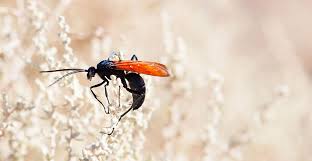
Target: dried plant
{"x":217,"y":105}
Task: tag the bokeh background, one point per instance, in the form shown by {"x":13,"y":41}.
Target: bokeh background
{"x":240,"y":85}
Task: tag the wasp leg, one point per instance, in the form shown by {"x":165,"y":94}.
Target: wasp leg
{"x":121,"y":116}
{"x":125,"y":113}
{"x":134,"y":57}
{"x":124,"y":83}
{"x":137,"y":89}
{"x":106,"y":95}
{"x":119,"y":96}
{"x":97,"y":85}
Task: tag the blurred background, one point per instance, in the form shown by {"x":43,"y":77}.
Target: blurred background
{"x":240,"y":85}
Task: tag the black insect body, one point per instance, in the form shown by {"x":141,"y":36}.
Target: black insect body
{"x":107,"y":68}
{"x":136,"y":83}
{"x":124,"y":70}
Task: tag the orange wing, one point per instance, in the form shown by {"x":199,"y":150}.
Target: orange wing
{"x":143,"y":67}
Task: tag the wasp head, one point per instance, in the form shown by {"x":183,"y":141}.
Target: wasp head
{"x":91,"y":73}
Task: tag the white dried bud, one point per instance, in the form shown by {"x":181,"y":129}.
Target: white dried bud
{"x":282,"y":90}
{"x":61,"y":20}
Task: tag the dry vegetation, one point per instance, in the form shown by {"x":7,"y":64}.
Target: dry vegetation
{"x":240,"y":85}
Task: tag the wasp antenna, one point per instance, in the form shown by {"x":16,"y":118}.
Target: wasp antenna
{"x":59,"y":70}
{"x":70,"y":73}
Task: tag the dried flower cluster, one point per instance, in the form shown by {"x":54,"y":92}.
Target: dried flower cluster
{"x":50,"y":123}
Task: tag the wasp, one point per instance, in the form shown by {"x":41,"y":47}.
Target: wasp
{"x":127,"y":71}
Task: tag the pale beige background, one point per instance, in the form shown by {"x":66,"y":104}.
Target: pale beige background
{"x":260,"y":52}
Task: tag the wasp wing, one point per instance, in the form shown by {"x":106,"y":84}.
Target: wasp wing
{"x":142,"y":67}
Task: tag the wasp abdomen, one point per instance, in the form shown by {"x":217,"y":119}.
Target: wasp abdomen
{"x":137,"y":84}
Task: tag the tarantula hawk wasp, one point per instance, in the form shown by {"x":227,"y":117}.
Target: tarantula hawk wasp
{"x":125,"y":70}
